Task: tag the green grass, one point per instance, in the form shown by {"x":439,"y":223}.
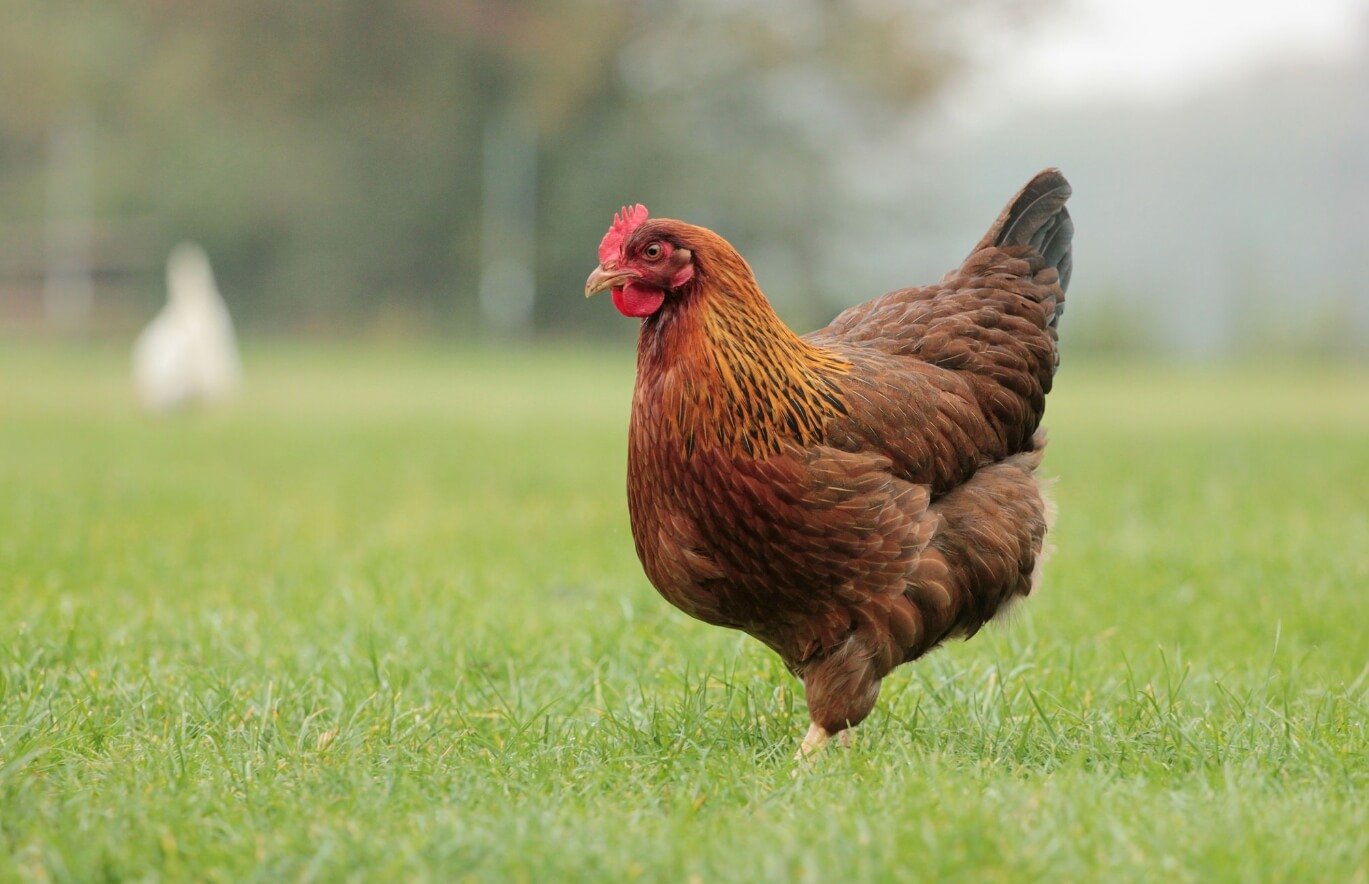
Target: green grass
{"x":382,"y":618}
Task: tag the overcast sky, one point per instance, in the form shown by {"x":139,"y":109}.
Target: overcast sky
{"x":1159,"y":50}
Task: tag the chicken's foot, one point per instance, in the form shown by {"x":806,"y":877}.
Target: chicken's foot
{"x":816,"y":738}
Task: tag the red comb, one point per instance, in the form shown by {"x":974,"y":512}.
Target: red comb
{"x":626,"y":221}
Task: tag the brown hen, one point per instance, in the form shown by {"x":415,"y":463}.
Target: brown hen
{"x":855,"y":496}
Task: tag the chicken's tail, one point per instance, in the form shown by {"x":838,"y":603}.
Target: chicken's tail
{"x":1037,"y":218}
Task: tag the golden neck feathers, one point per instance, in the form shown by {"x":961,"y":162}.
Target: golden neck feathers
{"x":721,"y":366}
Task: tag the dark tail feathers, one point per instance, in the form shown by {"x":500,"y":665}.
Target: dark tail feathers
{"x":1037,"y":217}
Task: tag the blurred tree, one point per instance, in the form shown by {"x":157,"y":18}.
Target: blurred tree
{"x":329,"y":155}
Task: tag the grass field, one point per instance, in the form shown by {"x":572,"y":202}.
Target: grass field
{"x":382,"y":618}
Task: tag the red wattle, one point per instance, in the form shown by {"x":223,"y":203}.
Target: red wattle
{"x":638,"y":301}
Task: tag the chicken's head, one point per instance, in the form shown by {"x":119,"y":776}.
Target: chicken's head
{"x":640,"y":262}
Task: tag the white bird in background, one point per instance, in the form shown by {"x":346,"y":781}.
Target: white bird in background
{"x":188,"y":353}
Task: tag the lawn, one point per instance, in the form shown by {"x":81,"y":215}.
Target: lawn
{"x":382,"y":618}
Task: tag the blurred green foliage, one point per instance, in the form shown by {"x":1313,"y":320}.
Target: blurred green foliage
{"x":329,"y":155}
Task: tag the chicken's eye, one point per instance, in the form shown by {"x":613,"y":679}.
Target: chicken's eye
{"x":653,"y":251}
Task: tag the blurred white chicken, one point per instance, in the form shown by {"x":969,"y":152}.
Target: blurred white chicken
{"x":188,"y":353}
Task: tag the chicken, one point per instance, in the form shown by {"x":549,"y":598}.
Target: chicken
{"x":188,"y":352}
{"x":855,"y":496}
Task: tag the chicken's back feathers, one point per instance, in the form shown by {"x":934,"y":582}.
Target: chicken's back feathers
{"x":952,"y":376}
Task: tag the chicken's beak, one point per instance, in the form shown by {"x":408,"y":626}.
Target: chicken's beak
{"x":606,"y":277}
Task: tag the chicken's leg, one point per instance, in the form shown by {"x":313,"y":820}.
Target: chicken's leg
{"x":814,"y":740}
{"x":841,"y":688}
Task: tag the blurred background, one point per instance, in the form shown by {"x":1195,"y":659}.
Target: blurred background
{"x":446,"y":167}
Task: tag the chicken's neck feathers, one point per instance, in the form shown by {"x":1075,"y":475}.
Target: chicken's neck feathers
{"x":720,"y":370}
